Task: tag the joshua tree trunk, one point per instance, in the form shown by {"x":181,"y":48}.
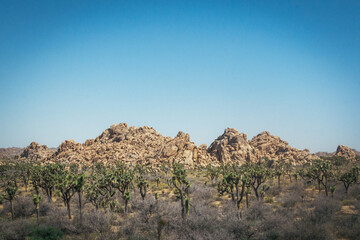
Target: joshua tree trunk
{"x":256,"y":193}
{"x":80,"y":206}
{"x":247,"y":199}
{"x":126,"y":206}
{"x":346,"y":187}
{"x":68,"y":209}
{"x":182,"y":205}
{"x":12,"y":209}
{"x":37,"y":214}
{"x":279,"y":181}
{"x":49,"y":197}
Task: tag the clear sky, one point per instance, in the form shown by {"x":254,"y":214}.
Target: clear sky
{"x":70,"y":69}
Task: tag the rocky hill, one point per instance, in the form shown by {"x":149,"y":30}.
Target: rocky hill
{"x":120,"y":143}
{"x":134,"y":145}
{"x":346,"y":152}
{"x":273,"y":147}
{"x":232,"y":146}
{"x":10,"y":152}
{"x":341,"y":151}
{"x":36,"y":152}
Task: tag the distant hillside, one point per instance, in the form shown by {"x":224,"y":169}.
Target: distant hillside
{"x":10,"y":152}
{"x":327,"y":154}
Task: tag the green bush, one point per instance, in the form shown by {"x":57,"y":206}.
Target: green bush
{"x":48,"y":233}
{"x":348,"y":202}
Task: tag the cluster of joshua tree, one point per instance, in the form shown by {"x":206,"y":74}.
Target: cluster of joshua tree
{"x":100,"y":185}
{"x":239,"y":181}
{"x":106,"y":187}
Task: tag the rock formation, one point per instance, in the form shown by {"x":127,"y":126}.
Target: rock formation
{"x":180,"y":149}
{"x":346,"y":152}
{"x":272,"y":147}
{"x":10,"y":152}
{"x":134,"y":145}
{"x":232,"y":146}
{"x":131,"y":145}
{"x":36,"y":152}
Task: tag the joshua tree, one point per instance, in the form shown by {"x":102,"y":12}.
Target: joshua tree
{"x":142,"y":184}
{"x":10,"y":194}
{"x":181,"y":185}
{"x":321,"y":171}
{"x":258,"y":174}
{"x":278,"y":171}
{"x":122,"y":178}
{"x":46,"y":178}
{"x":212,"y":173}
{"x":65,"y":184}
{"x":236,"y":180}
{"x":36,"y":200}
{"x":348,"y":178}
{"x":79,"y":183}
{"x":25,"y":173}
{"x":332,"y":190}
{"x":100,"y":190}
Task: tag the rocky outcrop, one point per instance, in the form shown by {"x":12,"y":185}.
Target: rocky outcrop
{"x":346,"y":152}
{"x":133,"y":145}
{"x":36,"y":152}
{"x":10,"y":152}
{"x":232,"y":146}
{"x":117,"y":143}
{"x":274,"y":148}
{"x":180,"y":150}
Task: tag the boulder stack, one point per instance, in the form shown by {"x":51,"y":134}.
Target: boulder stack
{"x":346,"y":152}
{"x":274,"y":148}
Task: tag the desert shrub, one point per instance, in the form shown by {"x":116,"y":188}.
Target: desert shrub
{"x":290,"y":200}
{"x":357,"y":205}
{"x":274,"y":191}
{"x":348,"y":202}
{"x":96,"y":222}
{"x":46,"y":233}
{"x":14,"y":230}
{"x":354,"y":191}
{"x":305,"y":229}
{"x":57,"y":218}
{"x":348,"y":226}
{"x":324,"y":209}
{"x":23,"y":207}
{"x":45,"y":207}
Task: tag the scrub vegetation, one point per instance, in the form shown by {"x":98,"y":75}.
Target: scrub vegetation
{"x":263,"y":200}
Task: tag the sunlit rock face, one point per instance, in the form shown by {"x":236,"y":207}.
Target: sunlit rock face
{"x":274,"y":148}
{"x":135,"y":145}
{"x":232,"y":146}
{"x":346,"y":152}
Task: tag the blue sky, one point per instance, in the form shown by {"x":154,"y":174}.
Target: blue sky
{"x":70,"y":69}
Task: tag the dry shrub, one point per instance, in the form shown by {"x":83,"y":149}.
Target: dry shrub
{"x":14,"y":230}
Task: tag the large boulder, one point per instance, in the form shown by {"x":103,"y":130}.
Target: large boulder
{"x":36,"y":152}
{"x":232,"y":146}
{"x":346,"y":152}
{"x":180,"y":149}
